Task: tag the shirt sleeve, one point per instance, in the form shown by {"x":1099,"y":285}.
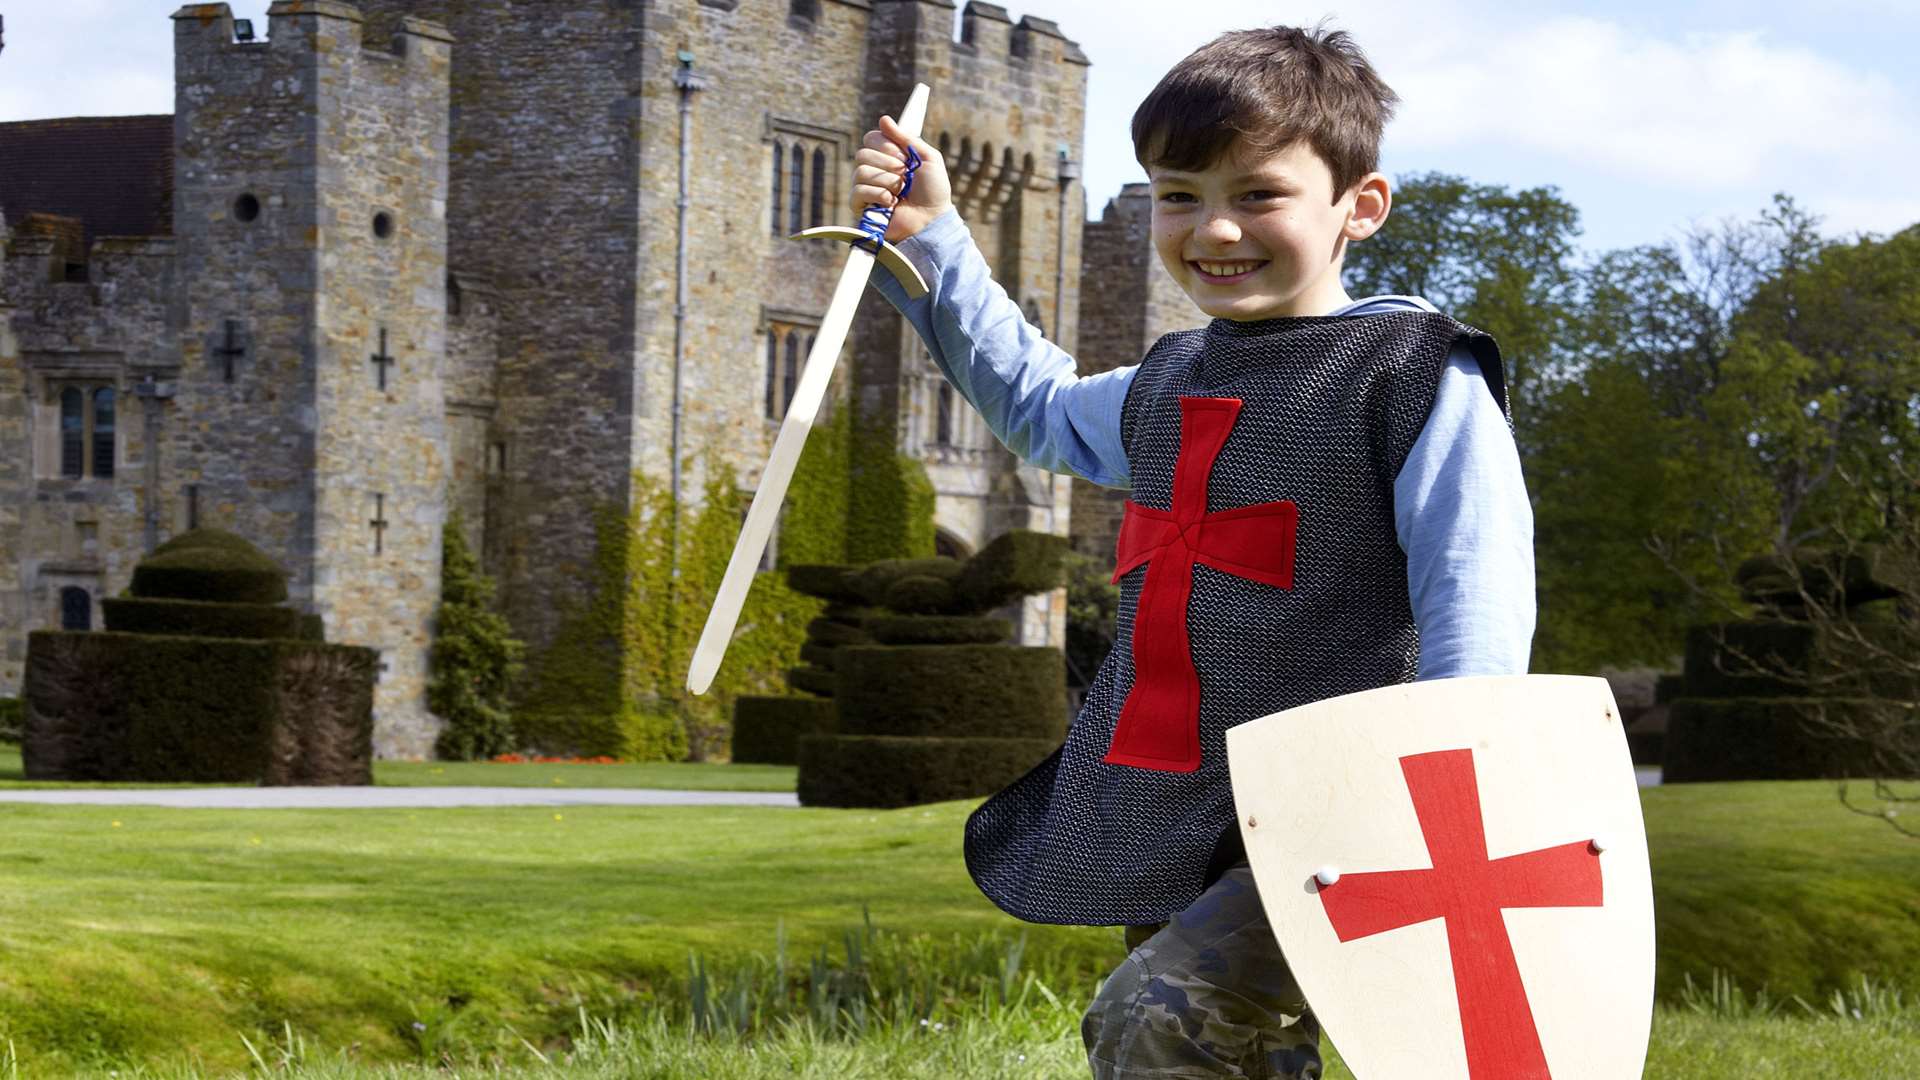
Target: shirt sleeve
{"x":1024,"y":386}
{"x":1462,"y":515}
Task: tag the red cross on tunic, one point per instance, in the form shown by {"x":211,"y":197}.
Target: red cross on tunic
{"x":1159,"y":726}
{"x":1468,"y":890}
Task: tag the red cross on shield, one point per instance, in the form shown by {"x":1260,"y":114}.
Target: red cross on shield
{"x":1457,"y":873}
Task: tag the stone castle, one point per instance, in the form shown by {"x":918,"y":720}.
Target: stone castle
{"x":407,"y":257}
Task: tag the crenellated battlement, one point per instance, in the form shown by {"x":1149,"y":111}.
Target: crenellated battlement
{"x":297,"y":25}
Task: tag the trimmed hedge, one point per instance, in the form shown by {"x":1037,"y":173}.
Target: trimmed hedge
{"x":1016,"y":564}
{"x":813,"y":680}
{"x":833,"y":632}
{"x":939,"y":630}
{"x":136,"y":707}
{"x":199,"y":618}
{"x":767,"y":730}
{"x":820,"y":656}
{"x":212,"y":566}
{"x":13,"y":716}
{"x":955,"y":691}
{"x":824,"y":581}
{"x":885,"y":772}
{"x":1757,"y":738}
{"x":1750,"y":653}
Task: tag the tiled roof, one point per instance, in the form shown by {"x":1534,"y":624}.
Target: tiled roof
{"x":114,"y":173}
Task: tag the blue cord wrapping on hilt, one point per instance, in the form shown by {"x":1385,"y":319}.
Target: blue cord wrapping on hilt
{"x":875,"y":219}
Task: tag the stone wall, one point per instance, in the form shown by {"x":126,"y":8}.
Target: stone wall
{"x":310,"y":209}
{"x":1131,"y":302}
{"x":106,"y":334}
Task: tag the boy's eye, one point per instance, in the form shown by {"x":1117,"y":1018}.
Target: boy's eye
{"x":1262,"y":195}
{"x":1176,"y":197}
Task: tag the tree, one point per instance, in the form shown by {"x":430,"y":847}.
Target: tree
{"x":475,"y":657}
{"x":1490,"y":257}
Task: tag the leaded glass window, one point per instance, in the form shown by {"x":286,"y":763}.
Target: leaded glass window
{"x":73,"y":432}
{"x":103,"y":432}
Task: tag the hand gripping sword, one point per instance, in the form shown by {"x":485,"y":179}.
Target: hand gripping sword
{"x":869,"y":245}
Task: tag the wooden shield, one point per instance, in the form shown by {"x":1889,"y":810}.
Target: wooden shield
{"x":1473,"y":927}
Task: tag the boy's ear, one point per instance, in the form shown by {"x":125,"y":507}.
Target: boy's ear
{"x":1373,"y":198}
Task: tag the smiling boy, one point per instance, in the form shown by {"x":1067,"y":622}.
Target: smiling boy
{"x":1324,"y":498}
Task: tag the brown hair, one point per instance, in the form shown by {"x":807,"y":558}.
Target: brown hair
{"x":1268,"y":89}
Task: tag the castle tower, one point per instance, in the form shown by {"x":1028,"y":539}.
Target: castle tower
{"x":310,"y":215}
{"x":1130,"y":302}
{"x":1007,"y":99}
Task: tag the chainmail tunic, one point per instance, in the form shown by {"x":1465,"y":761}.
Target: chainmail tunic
{"x":1332,"y":407}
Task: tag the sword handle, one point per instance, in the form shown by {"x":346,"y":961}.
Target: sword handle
{"x":875,"y":219}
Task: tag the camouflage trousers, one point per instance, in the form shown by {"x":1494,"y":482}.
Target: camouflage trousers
{"x":1204,"y":995}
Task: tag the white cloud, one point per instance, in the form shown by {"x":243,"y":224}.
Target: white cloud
{"x":1702,"y":112}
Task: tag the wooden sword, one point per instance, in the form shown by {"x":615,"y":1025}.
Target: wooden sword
{"x":869,"y":245}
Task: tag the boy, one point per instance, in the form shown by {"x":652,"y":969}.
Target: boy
{"x":1325,"y":498}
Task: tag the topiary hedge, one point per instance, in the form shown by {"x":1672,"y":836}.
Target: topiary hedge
{"x":890,"y":771}
{"x":13,"y":715}
{"x":199,"y":618}
{"x":955,"y":691}
{"x":210,"y":565}
{"x":140,"y":707}
{"x":1760,"y":738}
{"x":768,"y":730}
{"x":935,"y":709}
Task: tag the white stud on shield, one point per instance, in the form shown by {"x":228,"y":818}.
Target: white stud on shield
{"x":1327,"y":875}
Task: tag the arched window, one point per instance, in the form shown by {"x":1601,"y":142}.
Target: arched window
{"x":773,"y":374}
{"x":76,"y":609}
{"x":779,"y":161}
{"x":103,"y":432}
{"x":943,"y":425}
{"x":819,"y":187}
{"x":798,"y":190}
{"x":793,"y":372}
{"x":73,"y":432}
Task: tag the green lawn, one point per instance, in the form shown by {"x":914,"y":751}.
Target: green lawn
{"x":145,"y":935}
{"x":681,"y":776}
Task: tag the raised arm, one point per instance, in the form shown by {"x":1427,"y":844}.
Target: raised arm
{"x":1023,"y":386}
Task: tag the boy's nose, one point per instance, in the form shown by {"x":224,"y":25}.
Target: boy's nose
{"x":1219,"y":227}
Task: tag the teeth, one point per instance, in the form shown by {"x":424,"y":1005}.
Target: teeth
{"x":1220,"y":269}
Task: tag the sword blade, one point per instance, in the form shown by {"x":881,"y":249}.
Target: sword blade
{"x":772,"y":491}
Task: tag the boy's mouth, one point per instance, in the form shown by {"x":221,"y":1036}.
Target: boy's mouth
{"x":1220,"y":272}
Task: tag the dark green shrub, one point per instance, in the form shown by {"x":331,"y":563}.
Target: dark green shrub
{"x":883,"y":771}
{"x":823,"y":581}
{"x":199,"y":618}
{"x":813,"y":680}
{"x":13,"y":717}
{"x":312,"y":628}
{"x":820,"y":656}
{"x":138,"y":707}
{"x":955,"y":691}
{"x":206,"y":565}
{"x":1750,"y":659}
{"x":876,"y":581}
{"x":1016,"y":564}
{"x":1758,"y":738}
{"x":833,"y":632}
{"x":939,"y":630}
{"x":767,"y":730}
{"x":475,"y":658}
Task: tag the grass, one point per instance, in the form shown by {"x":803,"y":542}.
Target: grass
{"x":1778,"y":885}
{"x":135,"y":935}
{"x":680,"y":776}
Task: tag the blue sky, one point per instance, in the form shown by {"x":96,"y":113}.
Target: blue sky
{"x":1647,"y":116}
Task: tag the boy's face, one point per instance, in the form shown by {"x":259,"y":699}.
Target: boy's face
{"x":1257,"y":236}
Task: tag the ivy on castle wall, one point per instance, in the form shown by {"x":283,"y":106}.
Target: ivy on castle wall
{"x":614,"y":680}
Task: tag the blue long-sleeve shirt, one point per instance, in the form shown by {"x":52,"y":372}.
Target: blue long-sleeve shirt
{"x":1460,"y":505}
